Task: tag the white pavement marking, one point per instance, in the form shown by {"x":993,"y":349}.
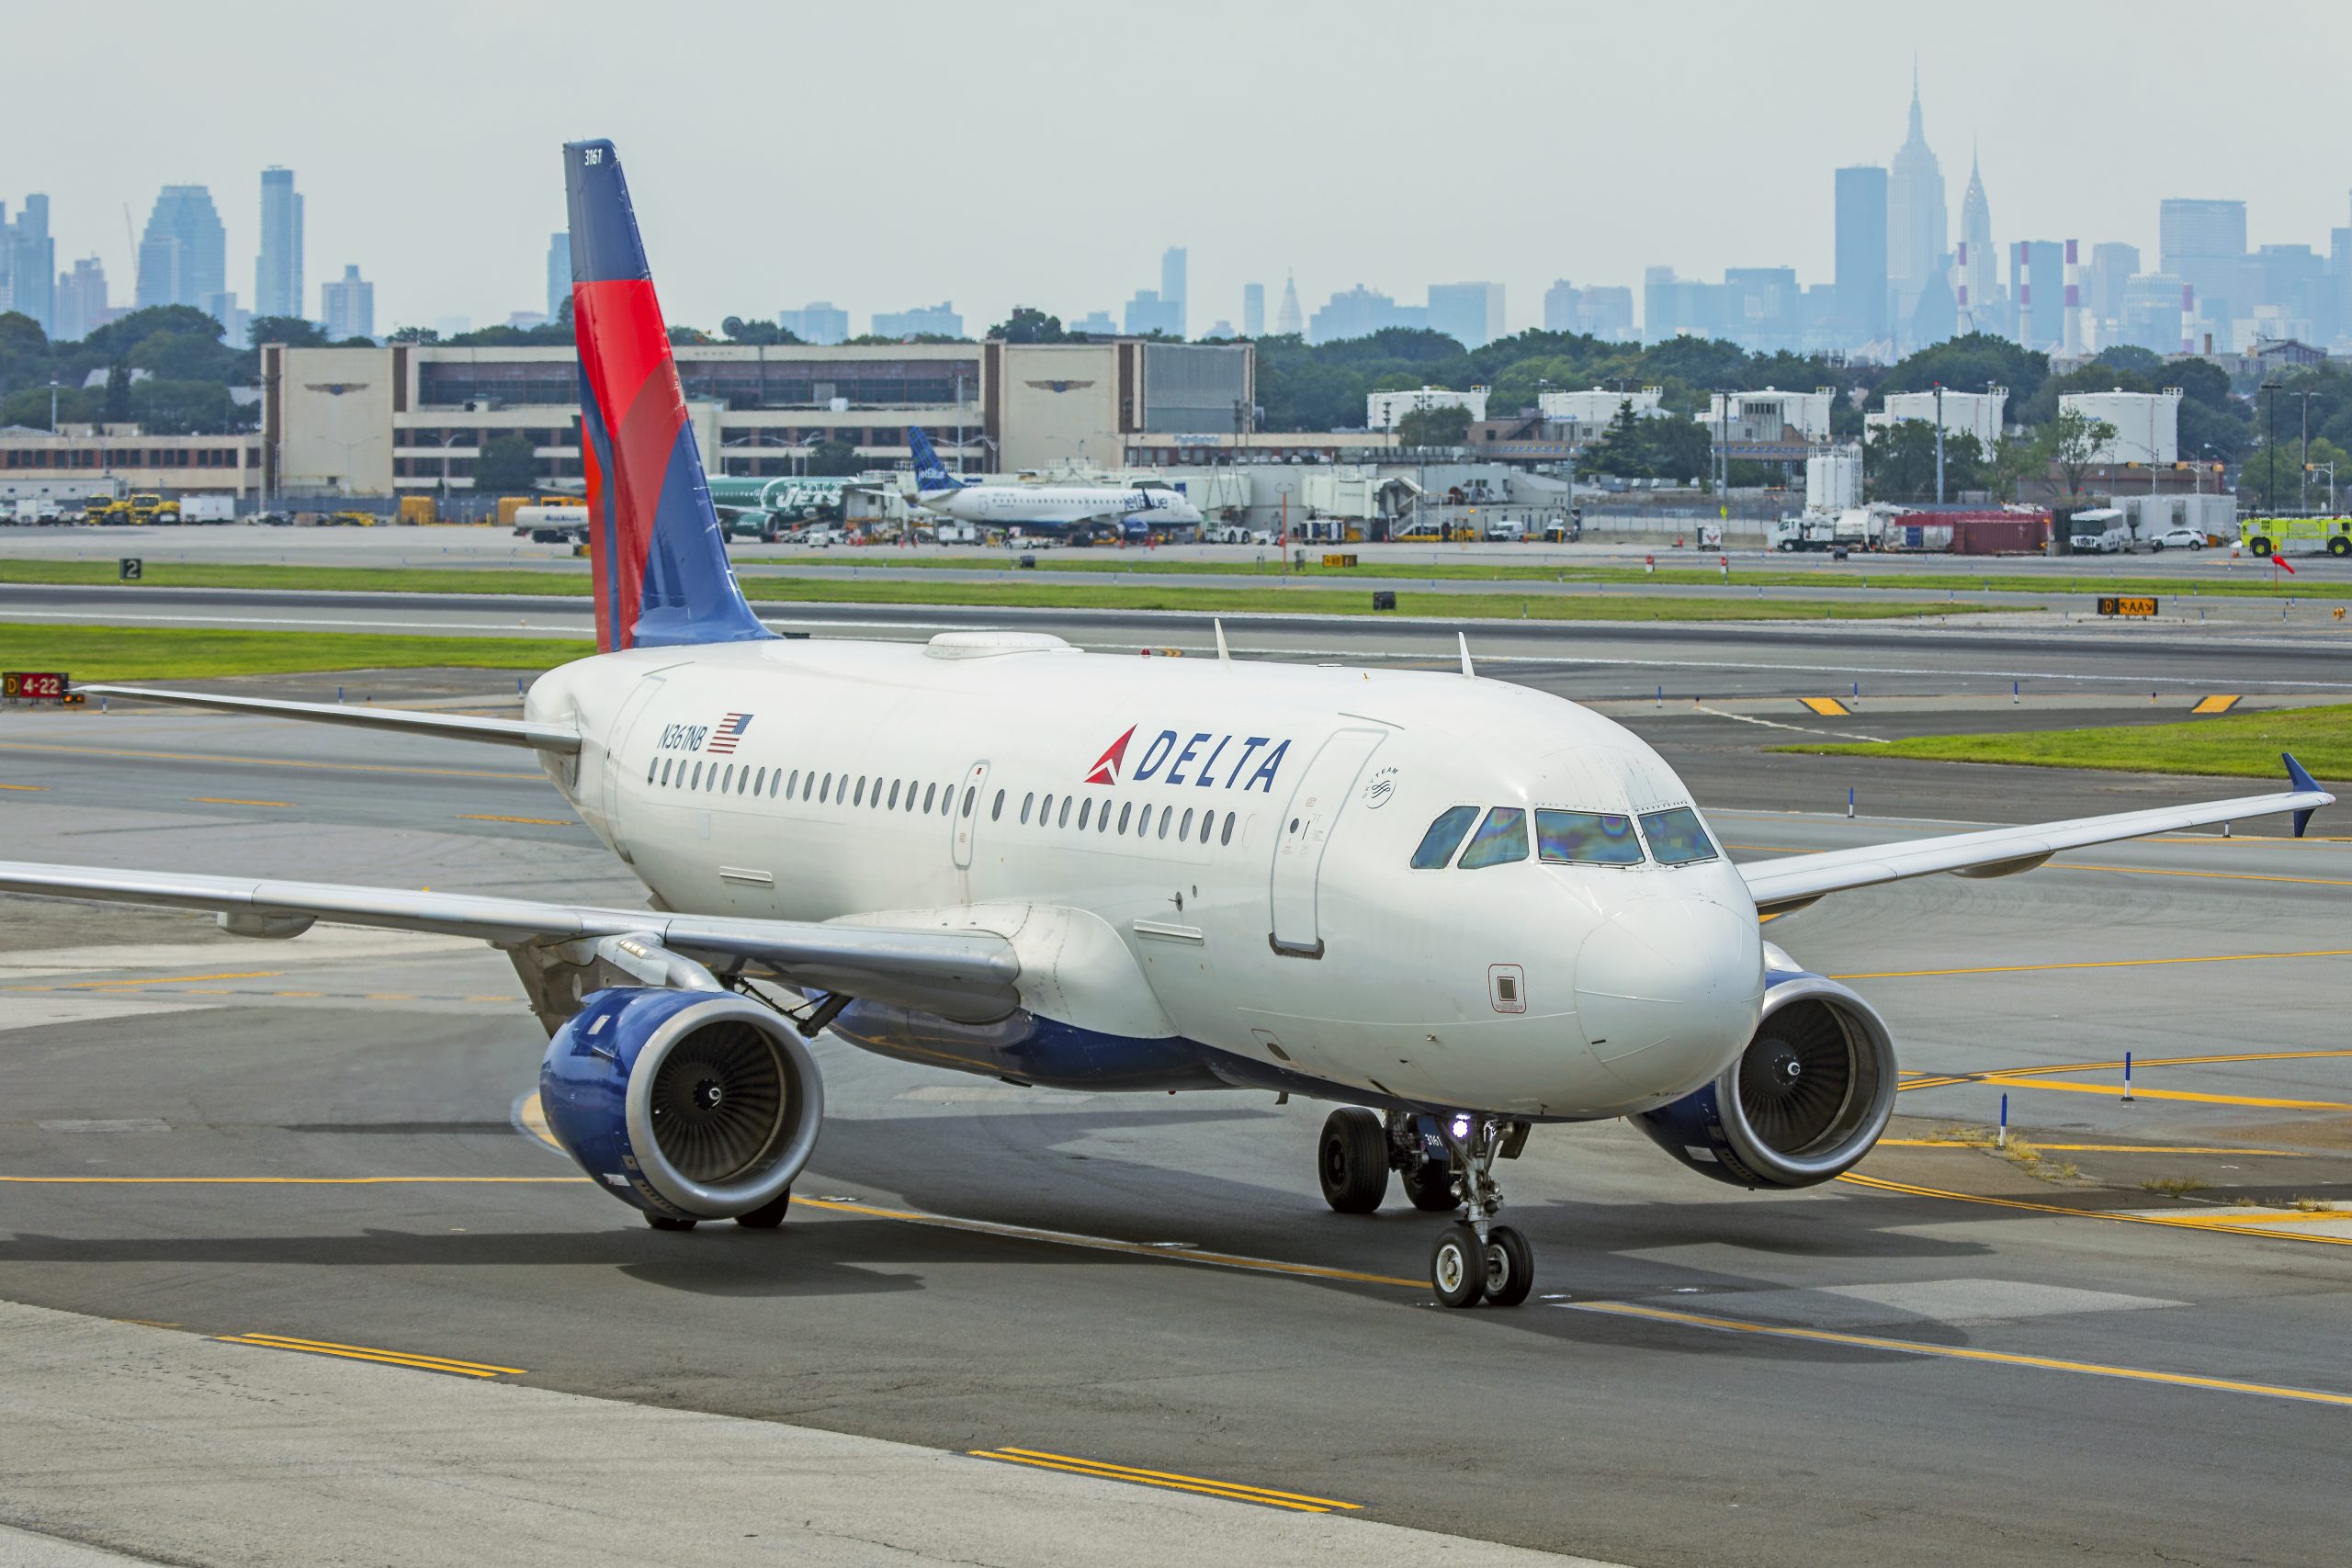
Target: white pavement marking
{"x":22,"y":1549}
{"x":195,"y":1451}
{"x":1932,"y":1301}
{"x":34,"y":1009}
{"x":1800,"y":728}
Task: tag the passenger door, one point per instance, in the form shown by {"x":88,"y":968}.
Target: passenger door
{"x":616,"y":750}
{"x":1300,"y":833}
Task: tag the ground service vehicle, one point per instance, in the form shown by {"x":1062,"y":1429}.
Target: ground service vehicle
{"x":1455,"y":906}
{"x":208,"y":508}
{"x":2297,"y":535}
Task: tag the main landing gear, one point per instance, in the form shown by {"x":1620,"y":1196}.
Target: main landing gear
{"x":1446,"y":1163}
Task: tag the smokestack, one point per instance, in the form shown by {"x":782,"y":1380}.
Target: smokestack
{"x":2025,"y":293}
{"x":2187,"y":317}
{"x":2074,"y":344}
{"x":1960,"y":267}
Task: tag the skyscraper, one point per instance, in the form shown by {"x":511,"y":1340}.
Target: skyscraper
{"x":1914,"y":222}
{"x":1253,"y":309}
{"x":1861,"y":252}
{"x":1171,"y":288}
{"x":2203,"y":244}
{"x":1469,"y":313}
{"x":183,"y":254}
{"x":1289,"y":320}
{"x":28,"y":263}
{"x":348,"y":306}
{"x":1977,"y":269}
{"x":81,"y":301}
{"x":560,"y":274}
{"x":278,"y":270}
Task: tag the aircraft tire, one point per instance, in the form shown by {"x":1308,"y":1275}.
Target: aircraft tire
{"x":768,"y":1215}
{"x":1352,"y":1161}
{"x":1511,"y":1266}
{"x":664,"y":1222}
{"x":1430,"y":1186}
{"x":1457,"y":1271}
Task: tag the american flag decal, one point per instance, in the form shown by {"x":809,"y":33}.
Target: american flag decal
{"x":730,"y":729}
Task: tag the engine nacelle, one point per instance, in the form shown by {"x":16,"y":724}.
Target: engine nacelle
{"x":1804,"y":1104}
{"x":696,"y":1105}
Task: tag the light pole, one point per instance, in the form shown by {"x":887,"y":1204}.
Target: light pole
{"x":52,"y":405}
{"x":2303,"y":496}
{"x":2270,"y":452}
{"x":1940,"y":444}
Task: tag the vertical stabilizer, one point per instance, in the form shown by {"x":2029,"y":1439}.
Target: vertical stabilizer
{"x":659,"y":558}
{"x":931,"y":475}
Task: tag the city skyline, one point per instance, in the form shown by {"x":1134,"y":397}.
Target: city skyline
{"x":1660,"y":201}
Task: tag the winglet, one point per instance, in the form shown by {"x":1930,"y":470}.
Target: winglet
{"x":2301,"y":780}
{"x":1464,"y":639}
{"x":1224,"y":654}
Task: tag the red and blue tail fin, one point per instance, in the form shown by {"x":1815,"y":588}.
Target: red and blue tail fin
{"x":658,"y":554}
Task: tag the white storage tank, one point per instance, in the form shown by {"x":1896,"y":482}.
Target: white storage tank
{"x":1833,"y":480}
{"x":2147,"y":424}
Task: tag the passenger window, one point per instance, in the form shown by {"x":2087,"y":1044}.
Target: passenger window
{"x":1184,"y":830}
{"x":1444,"y":838}
{"x":825,"y":790}
{"x":1045,"y":813}
{"x":970,"y":794}
{"x":1085,"y":809}
{"x":1208,"y":821}
{"x":1124,"y":806}
{"x":651,"y":763}
{"x":665,"y":770}
{"x":760,"y":784}
{"x":1501,"y":839}
{"x":775,"y":784}
{"x":1586,"y":838}
{"x":1065,"y":816}
{"x":930,"y":798}
{"x":995,"y":812}
{"x":792,"y":786}
{"x":859,"y":798}
{"x":1026,"y":802}
{"x":1227,"y":836}
{"x":696,"y":780}
{"x":1676,"y":836}
{"x":894,"y":794}
{"x":1165,"y":812}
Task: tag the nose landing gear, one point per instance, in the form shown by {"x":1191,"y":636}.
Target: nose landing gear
{"x":1447,"y":1164}
{"x":1474,"y":1256}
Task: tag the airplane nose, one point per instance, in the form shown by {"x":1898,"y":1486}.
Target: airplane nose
{"x":1668,"y":988}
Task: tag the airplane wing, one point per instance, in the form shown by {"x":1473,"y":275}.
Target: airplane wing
{"x":1794,"y":881}
{"x":965,"y":974}
{"x":444,"y":725}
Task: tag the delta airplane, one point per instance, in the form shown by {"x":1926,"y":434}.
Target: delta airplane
{"x":1043,"y":508}
{"x":1454,"y":906}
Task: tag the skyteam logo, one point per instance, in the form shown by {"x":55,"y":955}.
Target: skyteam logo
{"x":1200,"y":762}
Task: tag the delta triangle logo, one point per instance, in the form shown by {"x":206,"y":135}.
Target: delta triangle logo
{"x":1106,"y":766}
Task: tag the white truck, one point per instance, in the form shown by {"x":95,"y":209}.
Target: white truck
{"x":2099,"y":531}
{"x":1812,"y":532}
{"x":208,"y":508}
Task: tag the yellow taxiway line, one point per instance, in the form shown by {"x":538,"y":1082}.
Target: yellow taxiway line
{"x":2092,"y":963}
{"x":1233,"y":1490}
{"x":158,"y":980}
{"x":1939,"y":1080}
{"x":2089,"y":1148}
{"x":285,"y":1181}
{"x":2121,"y":1217}
{"x":1960,"y":1353}
{"x":264,"y":762}
{"x":2115,"y":1091}
{"x":534,"y":822}
{"x":418,"y":1362}
{"x":231,"y":800}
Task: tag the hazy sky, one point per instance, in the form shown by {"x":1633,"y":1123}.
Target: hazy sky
{"x":886,"y":156}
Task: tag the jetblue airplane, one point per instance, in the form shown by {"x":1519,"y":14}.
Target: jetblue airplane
{"x":1454,"y":906}
{"x":1042,"y":508}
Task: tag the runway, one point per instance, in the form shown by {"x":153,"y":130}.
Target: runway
{"x":318,"y":1144}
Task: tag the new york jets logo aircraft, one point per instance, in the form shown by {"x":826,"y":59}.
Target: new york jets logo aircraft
{"x":1455,"y":906}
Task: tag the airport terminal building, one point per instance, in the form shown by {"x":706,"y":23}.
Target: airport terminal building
{"x":413,"y":418}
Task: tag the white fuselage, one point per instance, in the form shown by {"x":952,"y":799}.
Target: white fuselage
{"x":1270,"y":910}
{"x":1056,"y":506}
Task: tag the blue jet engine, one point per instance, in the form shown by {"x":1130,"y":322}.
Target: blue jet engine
{"x":1806,"y":1100}
{"x":686,"y":1104}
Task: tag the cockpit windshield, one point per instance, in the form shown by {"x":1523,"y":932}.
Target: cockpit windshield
{"x":1445,"y":836}
{"x":1676,"y":836}
{"x":1586,"y":838}
{"x":1501,"y":839}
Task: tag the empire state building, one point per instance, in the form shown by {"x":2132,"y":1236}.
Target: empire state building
{"x":1915,"y":239}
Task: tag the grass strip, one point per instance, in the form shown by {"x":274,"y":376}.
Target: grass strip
{"x":560,"y":576}
{"x":910,"y":589}
{"x":2235,"y":745}
{"x":159,"y":653}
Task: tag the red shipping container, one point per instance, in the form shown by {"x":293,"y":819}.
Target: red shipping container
{"x":1986,"y":533}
